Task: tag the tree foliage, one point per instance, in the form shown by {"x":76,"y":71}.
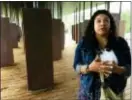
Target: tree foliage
{"x":126,"y":16}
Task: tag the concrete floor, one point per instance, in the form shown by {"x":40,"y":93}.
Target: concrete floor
{"x":14,"y":79}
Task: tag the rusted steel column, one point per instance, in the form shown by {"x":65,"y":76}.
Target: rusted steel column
{"x":38,"y":43}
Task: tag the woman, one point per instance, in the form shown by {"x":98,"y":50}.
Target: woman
{"x":100,"y":36}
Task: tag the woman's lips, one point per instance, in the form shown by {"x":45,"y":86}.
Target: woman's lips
{"x":103,"y":29}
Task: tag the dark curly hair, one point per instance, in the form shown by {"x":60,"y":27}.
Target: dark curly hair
{"x":89,"y":37}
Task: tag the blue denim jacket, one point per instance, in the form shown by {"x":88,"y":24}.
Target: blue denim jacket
{"x":85,"y":55}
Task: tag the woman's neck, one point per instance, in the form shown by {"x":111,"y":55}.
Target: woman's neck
{"x":102,"y":41}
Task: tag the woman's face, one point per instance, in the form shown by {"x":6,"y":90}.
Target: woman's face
{"x":102,"y":25}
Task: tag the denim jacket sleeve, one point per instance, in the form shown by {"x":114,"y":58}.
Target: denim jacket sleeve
{"x":126,"y":57}
{"x":78,"y":63}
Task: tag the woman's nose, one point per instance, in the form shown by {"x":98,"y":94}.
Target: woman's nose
{"x":102,"y":23}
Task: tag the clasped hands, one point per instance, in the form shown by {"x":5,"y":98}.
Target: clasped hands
{"x":106,"y":67}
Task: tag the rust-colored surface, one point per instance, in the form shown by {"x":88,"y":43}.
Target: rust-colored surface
{"x":6,"y":49}
{"x":62,"y":35}
{"x":38,"y":44}
{"x":78,"y":33}
{"x":56,"y":39}
{"x":73,"y":32}
{"x":14,"y":35}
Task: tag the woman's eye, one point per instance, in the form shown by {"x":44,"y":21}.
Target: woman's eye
{"x":106,"y":20}
{"x":98,"y":21}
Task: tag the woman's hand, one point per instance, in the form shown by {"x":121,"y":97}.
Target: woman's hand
{"x":106,"y":68}
{"x":95,"y":65}
{"x":98,"y":66}
{"x":116,"y":69}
